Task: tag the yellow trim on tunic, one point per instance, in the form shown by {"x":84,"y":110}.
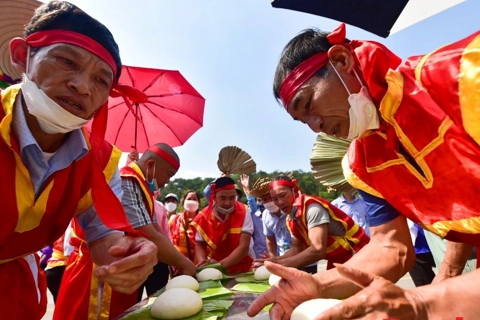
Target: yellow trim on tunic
{"x":204,"y":235}
{"x":93,"y":300}
{"x":469,"y":89}
{"x":355,"y":181}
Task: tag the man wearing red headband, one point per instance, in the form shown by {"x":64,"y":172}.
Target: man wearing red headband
{"x":319,"y":230}
{"x":51,"y":170}
{"x":415,"y":154}
{"x":141,"y":182}
{"x":225,"y":228}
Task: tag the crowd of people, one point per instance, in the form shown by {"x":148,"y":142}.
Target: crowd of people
{"x":104,"y":236}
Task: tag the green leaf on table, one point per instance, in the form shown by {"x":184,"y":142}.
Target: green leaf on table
{"x":213,"y":289}
{"x":248,"y":277}
{"x":211,"y":310}
{"x":217,"y":305}
{"x":217,"y":266}
{"x":251,"y":287}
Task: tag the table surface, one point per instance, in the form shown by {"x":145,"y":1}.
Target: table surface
{"x":238,"y":310}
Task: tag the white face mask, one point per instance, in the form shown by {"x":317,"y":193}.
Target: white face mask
{"x":363,"y":114}
{"x":170,"y":206}
{"x":190,"y":205}
{"x":225,"y":211}
{"x":51,"y":117}
{"x":271,"y":207}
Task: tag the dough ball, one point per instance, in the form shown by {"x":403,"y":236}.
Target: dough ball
{"x":209,"y":274}
{"x":183,"y":282}
{"x":262,"y":274}
{"x":311,"y":308}
{"x":176,"y":303}
{"x":273,"y":279}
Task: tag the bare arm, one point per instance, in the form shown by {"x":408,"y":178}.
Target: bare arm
{"x":389,"y":254}
{"x":454,"y":261}
{"x":200,"y":253}
{"x":99,"y":249}
{"x":238,"y":253}
{"x":315,"y":252}
{"x":271,"y":245}
{"x":450,"y":299}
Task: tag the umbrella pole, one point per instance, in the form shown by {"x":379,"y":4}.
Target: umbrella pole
{"x":136,"y":121}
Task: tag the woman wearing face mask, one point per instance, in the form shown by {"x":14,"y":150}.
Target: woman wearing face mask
{"x":180,"y":225}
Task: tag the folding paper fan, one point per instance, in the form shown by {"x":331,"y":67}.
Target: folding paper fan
{"x":232,"y":159}
{"x":326,"y":162}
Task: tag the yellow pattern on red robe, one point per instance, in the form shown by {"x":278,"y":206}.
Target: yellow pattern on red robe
{"x":339,"y":248}
{"x":222,"y":237}
{"x":432,"y":112}
{"x":32,"y":221}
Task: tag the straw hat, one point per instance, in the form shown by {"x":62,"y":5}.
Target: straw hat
{"x":14,"y":15}
{"x":261,"y":187}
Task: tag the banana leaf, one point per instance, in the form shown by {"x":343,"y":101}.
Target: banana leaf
{"x":211,"y":310}
{"x":251,"y":287}
{"x":213,"y":289}
{"x":248,"y":277}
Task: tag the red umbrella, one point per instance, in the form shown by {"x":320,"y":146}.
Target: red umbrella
{"x":172,"y":113}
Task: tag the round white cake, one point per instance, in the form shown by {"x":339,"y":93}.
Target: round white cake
{"x":311,"y":308}
{"x":273,"y":279}
{"x":209,"y":274}
{"x":183,"y":281}
{"x":176,"y":303}
{"x":262,"y":273}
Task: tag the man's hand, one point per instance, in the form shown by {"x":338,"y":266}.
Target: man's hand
{"x":135,"y":259}
{"x":133,"y":155}
{"x":295,"y":287}
{"x":188,"y":269}
{"x":380,"y":299}
{"x":244,"y":182}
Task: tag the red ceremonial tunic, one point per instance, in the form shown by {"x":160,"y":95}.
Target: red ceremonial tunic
{"x":339,"y":248}
{"x":181,"y":233}
{"x":431,"y":111}
{"x":79,"y":298}
{"x":223,"y":237}
{"x":32,"y":221}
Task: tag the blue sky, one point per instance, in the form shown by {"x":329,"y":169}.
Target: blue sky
{"x":228,"y":50}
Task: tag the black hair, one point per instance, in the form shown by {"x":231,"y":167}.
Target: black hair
{"x":62,"y":15}
{"x":223,"y":181}
{"x":300,"y":48}
{"x":184,"y":197}
{"x":283,"y":177}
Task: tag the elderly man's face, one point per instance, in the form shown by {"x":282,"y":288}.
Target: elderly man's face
{"x":322,"y":103}
{"x":76,"y":79}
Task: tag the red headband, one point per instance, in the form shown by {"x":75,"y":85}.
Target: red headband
{"x":284,"y":183}
{"x":165,"y":156}
{"x":373,"y":58}
{"x":214,"y":188}
{"x":309,"y":67}
{"x":48,"y":37}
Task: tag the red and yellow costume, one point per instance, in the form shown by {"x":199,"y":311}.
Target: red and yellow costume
{"x":431,"y":111}
{"x":32,"y":221}
{"x":57,"y":259}
{"x":223,"y":237}
{"x":339,"y":248}
{"x":182,"y":232}
{"x":79,"y":294}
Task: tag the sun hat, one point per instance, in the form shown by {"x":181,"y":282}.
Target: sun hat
{"x":14,"y":16}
